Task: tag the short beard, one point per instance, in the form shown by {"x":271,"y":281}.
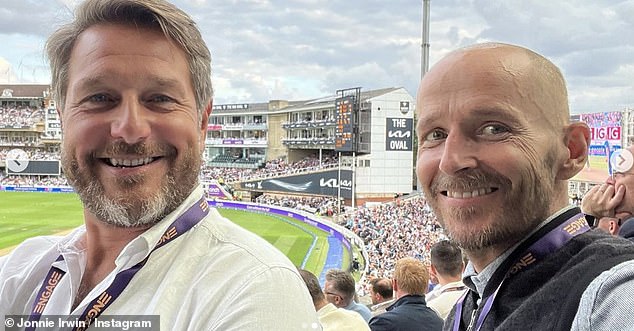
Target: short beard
{"x":525,"y":206}
{"x":129,"y":212}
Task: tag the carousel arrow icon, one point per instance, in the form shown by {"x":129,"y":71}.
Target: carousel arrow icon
{"x":622,"y":160}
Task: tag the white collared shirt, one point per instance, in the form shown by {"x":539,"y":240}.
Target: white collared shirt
{"x":442,"y":299}
{"x":216,"y":276}
{"x":340,"y":319}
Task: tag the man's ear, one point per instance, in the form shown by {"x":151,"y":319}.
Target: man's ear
{"x":59,"y":115}
{"x":204,"y":122}
{"x":205,"y":116}
{"x":433,"y":273}
{"x":614,"y":228}
{"x":577,"y":140}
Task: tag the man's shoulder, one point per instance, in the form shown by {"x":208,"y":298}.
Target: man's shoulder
{"x":595,"y":247}
{"x":219,"y":238}
{"x":609,"y":292}
{"x":380,"y":307}
{"x":361,"y":306}
{"x":33,"y":249}
{"x":387,"y":318}
{"x":334,"y":311}
{"x":333,"y":318}
{"x":32,"y":256}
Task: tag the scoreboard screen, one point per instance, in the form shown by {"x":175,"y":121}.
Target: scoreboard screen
{"x":33,"y":167}
{"x":344,"y":131}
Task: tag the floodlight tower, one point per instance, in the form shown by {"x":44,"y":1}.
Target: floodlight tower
{"x":424,"y":59}
{"x":424,"y":67}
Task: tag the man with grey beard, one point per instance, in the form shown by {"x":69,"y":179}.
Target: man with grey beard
{"x":132,"y":80}
{"x":495,"y":152}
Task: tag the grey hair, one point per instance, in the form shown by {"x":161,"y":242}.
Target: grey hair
{"x":175,"y":24}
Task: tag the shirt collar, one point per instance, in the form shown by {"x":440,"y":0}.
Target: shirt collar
{"x":478,"y":281}
{"x":140,"y":247}
{"x":74,"y":242}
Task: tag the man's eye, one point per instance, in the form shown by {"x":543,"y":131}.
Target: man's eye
{"x":160,"y":99}
{"x":99,"y":98}
{"x":435,"y":135}
{"x":494,"y":129}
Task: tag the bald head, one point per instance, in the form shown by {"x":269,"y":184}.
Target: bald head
{"x":525,"y":73}
{"x":493,"y":131}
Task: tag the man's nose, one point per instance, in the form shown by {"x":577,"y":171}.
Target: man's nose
{"x":459,"y":153}
{"x":131,"y":123}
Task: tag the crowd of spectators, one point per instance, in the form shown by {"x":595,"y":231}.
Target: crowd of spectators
{"x":33,"y":154}
{"x":326,"y":206}
{"x":606,"y":119}
{"x":32,"y":180}
{"x":392,"y":231}
{"x":273,"y":168}
{"x":21,"y":116}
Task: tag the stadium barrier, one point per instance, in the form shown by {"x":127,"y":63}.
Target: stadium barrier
{"x":54,"y":189}
{"x":341,"y":233}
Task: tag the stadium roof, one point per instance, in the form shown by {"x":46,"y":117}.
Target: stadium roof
{"x":24,"y":90}
{"x":284,"y":106}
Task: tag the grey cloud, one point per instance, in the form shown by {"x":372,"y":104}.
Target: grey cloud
{"x":31,"y":17}
{"x":297,"y":49}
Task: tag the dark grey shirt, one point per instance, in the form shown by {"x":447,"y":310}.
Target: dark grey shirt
{"x":605,"y":305}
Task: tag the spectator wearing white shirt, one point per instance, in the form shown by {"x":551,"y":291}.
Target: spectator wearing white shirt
{"x":446,"y":267}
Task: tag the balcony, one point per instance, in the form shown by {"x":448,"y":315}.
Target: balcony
{"x":309,"y":124}
{"x":309,"y":142}
{"x":245,"y":142}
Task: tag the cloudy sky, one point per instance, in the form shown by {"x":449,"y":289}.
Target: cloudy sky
{"x":301,"y":49}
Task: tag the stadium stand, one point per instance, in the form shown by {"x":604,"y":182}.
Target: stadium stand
{"x":20,"y":116}
{"x":392,"y":231}
{"x":315,"y":205}
{"x":269,"y":169}
{"x":32,"y":181}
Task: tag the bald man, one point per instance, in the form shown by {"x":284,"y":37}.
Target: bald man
{"x":496,"y":150}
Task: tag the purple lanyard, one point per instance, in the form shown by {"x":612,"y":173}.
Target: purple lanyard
{"x":547,"y":244}
{"x":182,"y":224}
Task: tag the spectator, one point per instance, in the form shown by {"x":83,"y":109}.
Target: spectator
{"x":446,"y":266}
{"x":340,"y":291}
{"x":496,"y":152}
{"x":611,"y":204}
{"x":330,"y":317}
{"x":609,"y":225}
{"x":382,"y":295}
{"x":613,"y":198}
{"x":132,"y":80}
{"x":409,"y":312}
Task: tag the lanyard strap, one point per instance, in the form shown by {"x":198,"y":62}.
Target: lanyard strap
{"x":182,"y":224}
{"x":549,"y":243}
